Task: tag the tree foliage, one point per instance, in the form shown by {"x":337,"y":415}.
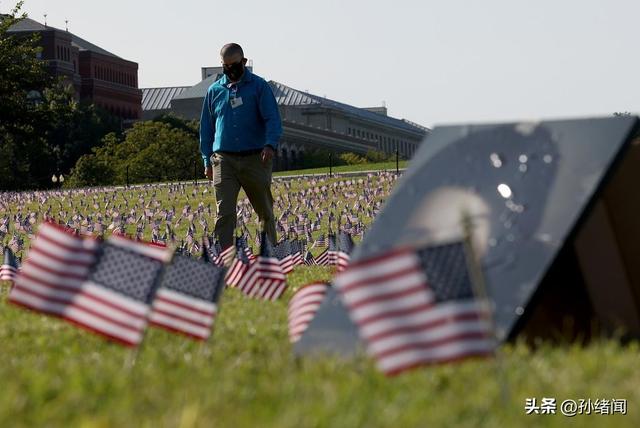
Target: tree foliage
{"x":43,"y":129}
{"x":153,"y":151}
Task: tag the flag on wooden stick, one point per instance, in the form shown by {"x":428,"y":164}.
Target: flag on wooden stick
{"x":9,"y":267}
{"x":186,"y":301}
{"x":303,"y":307}
{"x":264,"y":279}
{"x":415,"y":307}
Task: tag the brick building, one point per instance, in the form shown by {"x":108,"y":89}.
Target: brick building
{"x":97,"y":76}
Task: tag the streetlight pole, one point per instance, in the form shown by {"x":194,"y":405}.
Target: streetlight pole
{"x":397,"y":160}
{"x":330,"y":164}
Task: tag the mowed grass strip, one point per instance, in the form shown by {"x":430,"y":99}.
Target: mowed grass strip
{"x":378,"y":166}
{"x":52,"y":374}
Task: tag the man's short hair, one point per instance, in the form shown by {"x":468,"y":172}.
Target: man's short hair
{"x":231,"y":49}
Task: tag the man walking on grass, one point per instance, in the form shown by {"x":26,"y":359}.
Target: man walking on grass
{"x":239,"y":131}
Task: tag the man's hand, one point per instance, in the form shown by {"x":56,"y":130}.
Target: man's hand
{"x":208,"y":172}
{"x":267,"y":154}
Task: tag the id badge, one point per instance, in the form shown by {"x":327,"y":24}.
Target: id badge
{"x":236,"y":102}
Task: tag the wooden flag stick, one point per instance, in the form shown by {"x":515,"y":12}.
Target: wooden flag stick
{"x":481,"y":291}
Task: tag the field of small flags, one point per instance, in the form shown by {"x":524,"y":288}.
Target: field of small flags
{"x":208,"y":330}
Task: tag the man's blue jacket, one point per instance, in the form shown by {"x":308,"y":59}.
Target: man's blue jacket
{"x":249,"y":126}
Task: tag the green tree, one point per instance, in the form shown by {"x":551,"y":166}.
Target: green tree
{"x":23,"y":81}
{"x":377,"y":156}
{"x":352,"y":159}
{"x":152,"y":151}
{"x":191,"y":127}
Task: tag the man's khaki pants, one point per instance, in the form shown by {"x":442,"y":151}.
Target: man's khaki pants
{"x":230,"y":173}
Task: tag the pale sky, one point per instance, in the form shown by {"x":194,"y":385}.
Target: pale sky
{"x":450,"y":61}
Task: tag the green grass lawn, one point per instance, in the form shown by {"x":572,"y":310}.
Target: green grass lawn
{"x":390,"y":166}
{"x":52,"y":374}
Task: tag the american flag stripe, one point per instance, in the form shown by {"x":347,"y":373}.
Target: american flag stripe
{"x":302,"y":308}
{"x":287,"y":264}
{"x":235,"y":273}
{"x":453,"y":350}
{"x":7,"y":273}
{"x":342,"y":260}
{"x":323,"y":259}
{"x":382,"y":347}
{"x":88,"y":309}
{"x":226,"y":256}
{"x":183,"y":314}
{"x":151,"y":250}
{"x":305,"y":296}
{"x":398,"y":315}
{"x":266,"y":289}
{"x":87,"y":295}
{"x":54,"y":254}
{"x":272,"y":290}
{"x":247,"y":282}
{"x":417,"y":320}
{"x":54,"y":238}
{"x":40,"y":263}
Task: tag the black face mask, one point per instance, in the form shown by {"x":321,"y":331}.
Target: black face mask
{"x":234,"y":71}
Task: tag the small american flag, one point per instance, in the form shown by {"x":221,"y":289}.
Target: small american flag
{"x":303,"y":307}
{"x":226,"y":256}
{"x":264,"y":279}
{"x":186,"y":301}
{"x":296,"y":252}
{"x":238,"y":268}
{"x":309,"y":260}
{"x":242,"y":242}
{"x":416,"y":307}
{"x":343,"y":255}
{"x":329,"y":256}
{"x":215,"y":252}
{"x":9,"y":267}
{"x":283,"y":253}
{"x":105,"y":287}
